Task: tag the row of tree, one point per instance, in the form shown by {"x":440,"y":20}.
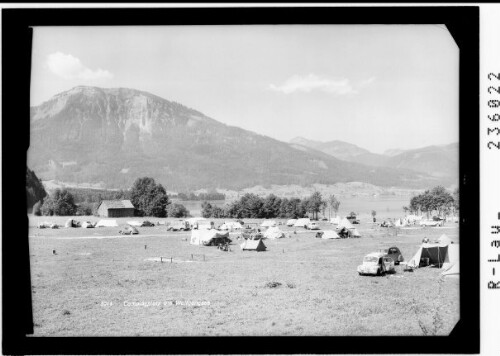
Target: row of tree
{"x":253,"y":206}
{"x":148,"y":198}
{"x":437,"y":201}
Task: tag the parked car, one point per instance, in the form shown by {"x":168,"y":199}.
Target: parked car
{"x":376,"y":263}
{"x":352,"y":218}
{"x":394,"y":253}
{"x":313,"y":225}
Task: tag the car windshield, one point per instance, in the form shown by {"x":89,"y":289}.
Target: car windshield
{"x":370,"y":259}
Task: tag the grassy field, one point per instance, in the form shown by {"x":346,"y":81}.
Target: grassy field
{"x":299,"y":286}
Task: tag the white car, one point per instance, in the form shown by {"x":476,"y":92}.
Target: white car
{"x":376,"y":264}
{"x":291,"y":222}
{"x":313,"y":225}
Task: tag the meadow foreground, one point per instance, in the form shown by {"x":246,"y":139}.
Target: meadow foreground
{"x":100,"y":283}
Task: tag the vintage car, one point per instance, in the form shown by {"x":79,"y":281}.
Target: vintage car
{"x":394,"y":253}
{"x":377,"y":264}
{"x":251,"y":231}
{"x":313,"y":225}
{"x":129,"y":230}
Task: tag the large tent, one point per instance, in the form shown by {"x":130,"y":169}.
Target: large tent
{"x":253,"y":245}
{"x":345,"y":223}
{"x":438,"y":254}
{"x":302,"y":222}
{"x":274,"y":232}
{"x":205,"y":237}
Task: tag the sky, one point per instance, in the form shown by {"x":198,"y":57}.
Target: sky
{"x":377,"y":86}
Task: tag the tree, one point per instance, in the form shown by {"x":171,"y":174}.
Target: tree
{"x":456,"y":199}
{"x":315,"y":204}
{"x":84,"y":209}
{"x":177,"y":211}
{"x":206,"y":209}
{"x":149,"y":198}
{"x":334,"y":203}
{"x":60,"y":202}
{"x":271,"y":207}
{"x":35,"y":192}
{"x":37,"y":208}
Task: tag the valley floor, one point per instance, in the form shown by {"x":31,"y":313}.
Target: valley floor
{"x":300,"y":286}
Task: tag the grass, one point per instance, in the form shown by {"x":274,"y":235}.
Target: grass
{"x":299,"y":286}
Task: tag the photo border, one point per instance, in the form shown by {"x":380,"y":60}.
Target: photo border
{"x":463,"y":24}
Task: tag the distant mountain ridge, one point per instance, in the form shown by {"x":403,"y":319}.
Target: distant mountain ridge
{"x":438,"y":161}
{"x":112,"y":136}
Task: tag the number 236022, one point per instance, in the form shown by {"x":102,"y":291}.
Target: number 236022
{"x":494,"y":103}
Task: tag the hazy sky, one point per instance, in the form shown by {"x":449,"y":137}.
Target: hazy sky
{"x":378,"y":87}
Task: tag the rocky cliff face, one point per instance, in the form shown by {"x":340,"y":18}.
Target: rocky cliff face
{"x":113,"y":136}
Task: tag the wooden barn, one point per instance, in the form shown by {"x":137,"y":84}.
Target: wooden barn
{"x":115,"y":208}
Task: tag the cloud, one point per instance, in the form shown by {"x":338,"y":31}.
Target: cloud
{"x":312,"y":82}
{"x":68,"y":67}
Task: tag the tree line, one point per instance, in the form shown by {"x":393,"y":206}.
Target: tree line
{"x":148,"y":198}
{"x":435,"y":201}
{"x":271,"y":206}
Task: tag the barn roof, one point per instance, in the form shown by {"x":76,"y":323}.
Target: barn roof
{"x":117,"y":204}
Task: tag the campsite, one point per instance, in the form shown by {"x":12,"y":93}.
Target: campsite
{"x":98,"y":282}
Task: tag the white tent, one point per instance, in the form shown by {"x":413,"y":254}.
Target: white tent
{"x":274,"y":232}
{"x":202,"y":237}
{"x":452,"y":270}
{"x":330,"y":234}
{"x":302,"y":222}
{"x":442,"y":255}
{"x":231,"y":225}
{"x":336,"y":220}
{"x":87,"y":225}
{"x":400,"y":222}
{"x":345,"y":223}
{"x":268,"y":223}
{"x":106,"y":223}
{"x":291,"y":222}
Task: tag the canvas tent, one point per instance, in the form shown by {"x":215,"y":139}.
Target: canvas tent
{"x":231,"y":225}
{"x":345,"y":223}
{"x":441,"y":255}
{"x":253,"y":245}
{"x":72,"y":223}
{"x":302,"y":222}
{"x":274,"y":233}
{"x":106,"y":223}
{"x":205,"y":237}
{"x":268,"y":223}
{"x":444,"y":240}
{"x":87,"y":225}
{"x":329,"y":234}
{"x":136,"y":223}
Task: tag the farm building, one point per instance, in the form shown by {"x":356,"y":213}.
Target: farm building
{"x":115,"y":208}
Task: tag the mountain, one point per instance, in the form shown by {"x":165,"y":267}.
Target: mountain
{"x":344,"y":151}
{"x":437,"y":161}
{"x":113,"y":136}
